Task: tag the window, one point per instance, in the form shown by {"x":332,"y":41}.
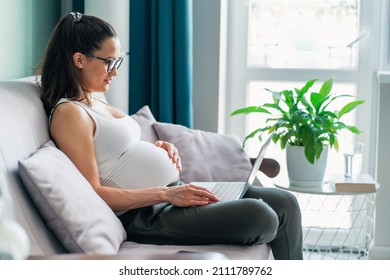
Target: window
{"x":310,"y":33}
{"x":278,"y":44}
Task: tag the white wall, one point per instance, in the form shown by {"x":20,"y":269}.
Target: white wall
{"x":25,"y":27}
{"x":15,"y":39}
{"x":119,"y":17}
{"x":381,"y":248}
{"x":206,"y":38}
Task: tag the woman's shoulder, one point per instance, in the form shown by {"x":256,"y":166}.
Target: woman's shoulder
{"x":69,"y":111}
{"x":68,"y":108}
{"x":70,"y":120}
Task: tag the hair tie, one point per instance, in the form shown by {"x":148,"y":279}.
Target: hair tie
{"x":76,"y":16}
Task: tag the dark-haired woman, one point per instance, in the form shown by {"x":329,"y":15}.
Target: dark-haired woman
{"x":137,"y":179}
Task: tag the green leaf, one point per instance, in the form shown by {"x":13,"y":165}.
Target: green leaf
{"x":306,"y":104}
{"x":316,"y":99}
{"x":273,"y":106}
{"x":306,"y":87}
{"x":336,"y":144}
{"x":251,"y":135}
{"x":353,"y":129}
{"x":334,"y":97}
{"x":288,"y":98}
{"x":276,"y":95}
{"x":318,"y":149}
{"x":250,"y":109}
{"x":285,"y":138}
{"x":328,"y":114}
{"x":306,"y":134}
{"x":310,"y":154}
{"x":275,"y":137}
{"x":326,"y":87}
{"x":332,"y":139}
{"x":349,"y":107}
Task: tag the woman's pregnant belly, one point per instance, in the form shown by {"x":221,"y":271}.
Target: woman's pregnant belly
{"x":144,"y":165}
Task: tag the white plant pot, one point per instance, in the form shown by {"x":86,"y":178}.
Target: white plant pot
{"x":300,"y":171}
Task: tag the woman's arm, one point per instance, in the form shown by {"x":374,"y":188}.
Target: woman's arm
{"x":72,"y":129}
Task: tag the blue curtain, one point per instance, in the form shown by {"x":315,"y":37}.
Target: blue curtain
{"x":161,"y":59}
{"x":78,"y":6}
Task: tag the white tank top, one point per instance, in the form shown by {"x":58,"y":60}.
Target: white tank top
{"x":125,"y":161}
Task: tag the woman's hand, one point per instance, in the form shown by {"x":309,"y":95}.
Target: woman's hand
{"x":190,"y":195}
{"x":173,"y":153}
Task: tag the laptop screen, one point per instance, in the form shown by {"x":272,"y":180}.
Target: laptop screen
{"x":259,"y":160}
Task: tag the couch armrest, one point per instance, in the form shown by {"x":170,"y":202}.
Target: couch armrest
{"x":269,"y":167}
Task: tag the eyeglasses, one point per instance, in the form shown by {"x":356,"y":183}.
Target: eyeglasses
{"x":111,"y":63}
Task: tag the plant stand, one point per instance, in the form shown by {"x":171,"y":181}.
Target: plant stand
{"x":335,"y":225}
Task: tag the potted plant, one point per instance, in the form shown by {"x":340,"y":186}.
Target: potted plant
{"x":303,"y":119}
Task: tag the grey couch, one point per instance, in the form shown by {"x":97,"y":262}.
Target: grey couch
{"x":24,"y":129}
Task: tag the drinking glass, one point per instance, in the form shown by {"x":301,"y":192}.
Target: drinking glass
{"x":353,"y":160}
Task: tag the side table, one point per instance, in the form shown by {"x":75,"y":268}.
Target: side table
{"x":336,"y":225}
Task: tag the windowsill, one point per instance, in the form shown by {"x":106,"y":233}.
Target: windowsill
{"x":383,"y":77}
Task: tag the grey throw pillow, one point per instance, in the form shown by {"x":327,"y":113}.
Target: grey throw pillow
{"x":77,"y":216}
{"x":206,"y":156}
{"x":145,"y":120}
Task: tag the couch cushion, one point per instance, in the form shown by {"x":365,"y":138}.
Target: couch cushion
{"x":206,"y":156}
{"x":24,"y":128}
{"x":233,"y":252}
{"x":70,"y":207}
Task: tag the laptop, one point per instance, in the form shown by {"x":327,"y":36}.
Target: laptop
{"x":227,"y":191}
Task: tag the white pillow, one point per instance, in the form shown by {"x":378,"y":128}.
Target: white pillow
{"x":78,"y":217}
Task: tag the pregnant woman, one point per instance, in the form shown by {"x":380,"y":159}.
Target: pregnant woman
{"x":140,"y":181}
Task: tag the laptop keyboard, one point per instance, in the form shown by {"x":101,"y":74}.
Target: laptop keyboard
{"x":227,"y":191}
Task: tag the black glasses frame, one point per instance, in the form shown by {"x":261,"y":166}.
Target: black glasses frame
{"x":111,"y":63}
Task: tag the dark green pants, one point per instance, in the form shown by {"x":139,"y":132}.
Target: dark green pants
{"x":264,"y":215}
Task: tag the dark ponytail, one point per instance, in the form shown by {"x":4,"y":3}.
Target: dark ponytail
{"x":58,"y":75}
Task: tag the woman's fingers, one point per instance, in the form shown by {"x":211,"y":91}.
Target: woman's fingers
{"x":177,"y":160}
{"x":172,"y":151}
{"x":191,"y":195}
{"x":204,"y":193}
